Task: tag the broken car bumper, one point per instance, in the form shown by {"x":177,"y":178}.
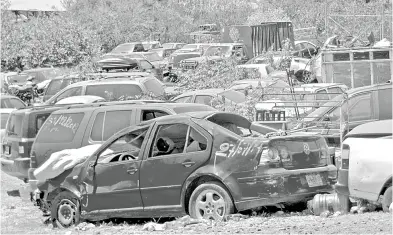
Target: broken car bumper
{"x":341,"y":187}
{"x":17,"y":167}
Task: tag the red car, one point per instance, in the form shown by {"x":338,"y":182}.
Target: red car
{"x":206,"y":164}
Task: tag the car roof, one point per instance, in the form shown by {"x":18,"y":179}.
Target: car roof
{"x":212,"y":91}
{"x":6,"y":110}
{"x":111,"y":80}
{"x":377,"y":128}
{"x":134,"y":103}
{"x":228,"y":44}
{"x":368,"y":88}
{"x":38,"y":69}
{"x":7,"y":96}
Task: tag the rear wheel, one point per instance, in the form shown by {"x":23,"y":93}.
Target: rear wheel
{"x":387,"y":199}
{"x":65,"y":210}
{"x":210,"y":201}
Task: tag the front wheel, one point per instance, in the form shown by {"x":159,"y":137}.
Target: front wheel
{"x":210,"y":201}
{"x":387,"y":199}
{"x":65,"y":210}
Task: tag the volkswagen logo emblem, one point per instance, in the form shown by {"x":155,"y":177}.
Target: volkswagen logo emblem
{"x":306,"y":148}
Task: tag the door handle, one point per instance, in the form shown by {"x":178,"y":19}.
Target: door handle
{"x":188,"y":164}
{"x":132,"y":171}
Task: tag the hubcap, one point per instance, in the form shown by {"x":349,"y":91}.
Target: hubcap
{"x":66,"y":212}
{"x":210,"y":205}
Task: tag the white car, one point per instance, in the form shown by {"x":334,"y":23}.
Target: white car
{"x":366,"y":165}
{"x":82,"y":99}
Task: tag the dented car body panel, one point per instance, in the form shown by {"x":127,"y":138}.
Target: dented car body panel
{"x":159,"y":185}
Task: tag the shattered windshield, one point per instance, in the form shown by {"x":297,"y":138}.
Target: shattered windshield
{"x":217,"y":50}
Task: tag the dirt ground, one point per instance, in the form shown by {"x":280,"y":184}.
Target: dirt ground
{"x":21,"y":217}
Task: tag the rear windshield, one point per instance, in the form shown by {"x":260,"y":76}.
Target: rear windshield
{"x":60,"y":128}
{"x":153,"y":57}
{"x":123,"y":48}
{"x":168,"y":45}
{"x":14,"y":127}
{"x":186,"y":109}
{"x":114,"y":92}
{"x":57,"y":85}
{"x":4,"y":118}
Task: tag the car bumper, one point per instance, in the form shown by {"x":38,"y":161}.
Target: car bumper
{"x":285,"y":186}
{"x":341,"y":186}
{"x":17,"y":167}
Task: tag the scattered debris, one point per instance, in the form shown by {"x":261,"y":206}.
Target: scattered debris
{"x":337,"y":213}
{"x":325,"y":214}
{"x":12,"y":207}
{"x":279,"y":213}
{"x":151,"y":226}
{"x":84,"y":226}
{"x":68,"y":233}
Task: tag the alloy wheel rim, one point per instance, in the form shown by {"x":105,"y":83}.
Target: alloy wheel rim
{"x":210,"y":205}
{"x":66,"y":213}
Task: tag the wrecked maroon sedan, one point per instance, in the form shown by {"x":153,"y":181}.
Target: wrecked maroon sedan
{"x":206,"y":164}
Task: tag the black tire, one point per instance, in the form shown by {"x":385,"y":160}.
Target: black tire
{"x":387,"y":199}
{"x":217,"y":207}
{"x":65,"y":210}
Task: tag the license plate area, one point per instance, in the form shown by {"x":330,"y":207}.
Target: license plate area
{"x":314,"y":180}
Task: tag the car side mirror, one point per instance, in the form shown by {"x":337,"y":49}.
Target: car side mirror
{"x":326,"y":119}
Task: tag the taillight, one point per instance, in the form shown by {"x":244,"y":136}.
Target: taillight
{"x":33,"y":160}
{"x":324,"y":156}
{"x":268,"y":156}
{"x":345,"y":156}
{"x":21,"y":149}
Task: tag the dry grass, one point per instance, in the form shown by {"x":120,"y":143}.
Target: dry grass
{"x":21,"y":217}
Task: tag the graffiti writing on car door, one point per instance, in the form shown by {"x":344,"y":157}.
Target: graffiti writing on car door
{"x":244,"y":148}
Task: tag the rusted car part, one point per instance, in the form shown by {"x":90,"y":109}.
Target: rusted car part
{"x":365,"y":173}
{"x":328,"y":202}
{"x":225,"y":170}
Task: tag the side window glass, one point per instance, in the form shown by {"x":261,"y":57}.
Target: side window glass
{"x":195,"y":141}
{"x":361,"y":109}
{"x":146,"y":65}
{"x":69,"y":93}
{"x":169,"y":139}
{"x":203,"y":99}
{"x":334,"y":91}
{"x":116,"y":121}
{"x":125,"y":148}
{"x":3,"y":104}
{"x":154,"y":86}
{"x":108,"y":123}
{"x":96,"y":132}
{"x":15,"y":103}
{"x":185,"y":99}
{"x":322,"y":95}
{"x":151,"y":114}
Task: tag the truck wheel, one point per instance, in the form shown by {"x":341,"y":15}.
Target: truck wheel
{"x":387,"y":199}
{"x":65,"y":210}
{"x":210,"y":201}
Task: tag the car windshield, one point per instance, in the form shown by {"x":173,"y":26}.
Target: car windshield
{"x":168,"y":45}
{"x":217,"y":50}
{"x":190,"y":47}
{"x":57,"y":85}
{"x":20,"y":78}
{"x":123,"y":48}
{"x":4,"y":118}
{"x":152,"y":57}
{"x":115,"y":92}
{"x":322,"y":110}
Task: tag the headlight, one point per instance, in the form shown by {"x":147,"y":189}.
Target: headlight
{"x":273,"y":154}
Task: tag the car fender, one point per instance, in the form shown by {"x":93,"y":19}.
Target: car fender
{"x":213,"y":172}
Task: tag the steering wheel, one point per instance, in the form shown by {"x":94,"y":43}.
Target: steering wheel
{"x":126,"y":156}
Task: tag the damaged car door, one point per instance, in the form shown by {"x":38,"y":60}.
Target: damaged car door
{"x":113,"y":183}
{"x":178,"y":148}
